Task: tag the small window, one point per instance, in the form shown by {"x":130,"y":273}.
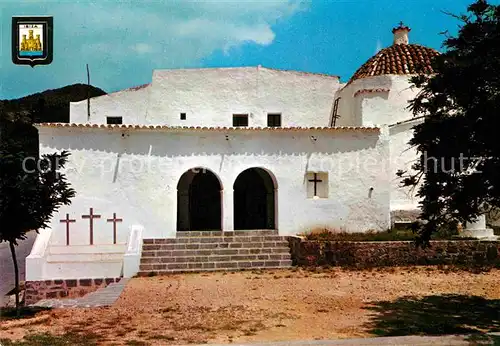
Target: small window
{"x":114,"y":120}
{"x":274,"y":120}
{"x":183,"y":116}
{"x":317,"y":185}
{"x":240,"y":119}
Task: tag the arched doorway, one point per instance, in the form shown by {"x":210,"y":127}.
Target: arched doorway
{"x":199,"y":201}
{"x":254,"y":200}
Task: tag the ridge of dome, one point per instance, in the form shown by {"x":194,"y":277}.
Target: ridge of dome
{"x":401,"y":58}
{"x":398,"y":59}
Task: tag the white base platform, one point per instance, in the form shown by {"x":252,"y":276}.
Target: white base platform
{"x":483,"y":234}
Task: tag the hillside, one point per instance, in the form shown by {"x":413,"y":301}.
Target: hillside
{"x":52,"y":105}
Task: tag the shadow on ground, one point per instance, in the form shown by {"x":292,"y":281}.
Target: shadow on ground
{"x":8,"y":313}
{"x":435,"y":315}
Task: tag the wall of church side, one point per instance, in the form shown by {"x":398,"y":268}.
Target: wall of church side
{"x":134,"y":173}
{"x":402,"y":158}
{"x":388,"y":107}
{"x":348,"y":116}
{"x":210,"y":97}
{"x":375,"y":101}
{"x":130,"y":104}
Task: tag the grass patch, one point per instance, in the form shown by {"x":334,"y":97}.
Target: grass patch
{"x":47,"y":339}
{"x":327,"y":234}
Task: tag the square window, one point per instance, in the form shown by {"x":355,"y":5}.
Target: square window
{"x":274,"y":120}
{"x":183,"y":116}
{"x":317,"y":185}
{"x":240,"y":119}
{"x":114,"y":120}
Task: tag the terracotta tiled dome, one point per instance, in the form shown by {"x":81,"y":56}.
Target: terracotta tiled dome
{"x":399,"y":59}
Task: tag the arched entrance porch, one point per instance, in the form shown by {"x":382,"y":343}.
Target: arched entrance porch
{"x":199,"y":201}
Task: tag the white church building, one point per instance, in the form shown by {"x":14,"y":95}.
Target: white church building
{"x":230,"y":149}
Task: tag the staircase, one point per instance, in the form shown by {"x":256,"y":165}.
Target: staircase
{"x":215,"y":250}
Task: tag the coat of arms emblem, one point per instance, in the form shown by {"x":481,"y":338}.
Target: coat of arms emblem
{"x":32,"y":40}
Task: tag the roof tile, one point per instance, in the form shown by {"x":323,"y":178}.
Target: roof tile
{"x":199,"y":128}
{"x":400,"y":59}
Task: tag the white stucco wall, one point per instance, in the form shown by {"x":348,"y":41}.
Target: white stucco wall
{"x":105,"y":170}
{"x":360,"y":108}
{"x":130,"y":104}
{"x":210,"y":97}
{"x":402,"y":158}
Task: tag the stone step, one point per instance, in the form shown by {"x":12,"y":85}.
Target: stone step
{"x":222,"y":245}
{"x":214,"y":258}
{"x":225,"y":245}
{"x":216,"y":251}
{"x":222,"y":239}
{"x":202,"y":266}
{"x":255,"y":232}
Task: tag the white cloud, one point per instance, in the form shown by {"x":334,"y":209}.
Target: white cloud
{"x":172,"y":26}
{"x":142,"y":48}
{"x":136,"y":37}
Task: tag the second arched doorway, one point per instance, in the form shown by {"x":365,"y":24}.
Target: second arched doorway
{"x":254,"y":200}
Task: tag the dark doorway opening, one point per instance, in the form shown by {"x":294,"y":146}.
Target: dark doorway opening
{"x":254,"y":200}
{"x":199,"y":201}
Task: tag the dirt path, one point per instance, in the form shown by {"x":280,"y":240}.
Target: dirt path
{"x":287,"y":305}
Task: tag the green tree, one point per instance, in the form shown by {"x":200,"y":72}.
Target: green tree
{"x":31,"y":188}
{"x":458,"y":144}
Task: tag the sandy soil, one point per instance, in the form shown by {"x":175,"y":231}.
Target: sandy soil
{"x":285,"y":305}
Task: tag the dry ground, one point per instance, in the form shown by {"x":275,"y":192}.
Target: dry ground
{"x":285,"y":305}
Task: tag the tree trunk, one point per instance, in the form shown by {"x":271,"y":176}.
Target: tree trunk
{"x":16,"y":275}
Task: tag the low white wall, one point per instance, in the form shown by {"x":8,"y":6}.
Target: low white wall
{"x":135,"y":173}
{"x":132,"y":257}
{"x":36,"y":260}
{"x":49,"y":261}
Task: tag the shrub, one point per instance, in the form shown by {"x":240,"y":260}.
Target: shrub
{"x":331,"y":234}
{"x":326,"y":234}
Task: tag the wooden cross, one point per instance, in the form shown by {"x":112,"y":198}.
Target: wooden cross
{"x":67,"y":221}
{"x":114,"y":220}
{"x":91,"y":217}
{"x":315,"y":181}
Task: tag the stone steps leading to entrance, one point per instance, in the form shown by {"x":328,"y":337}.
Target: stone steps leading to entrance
{"x":226,"y":233}
{"x":215,"y":250}
{"x":168,"y":268}
{"x":146,"y":261}
{"x":213,"y":239}
{"x":222,"y":245}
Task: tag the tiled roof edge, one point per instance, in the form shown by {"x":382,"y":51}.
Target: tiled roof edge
{"x":368,"y":91}
{"x":203,"y":128}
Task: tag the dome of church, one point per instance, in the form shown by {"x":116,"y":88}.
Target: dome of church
{"x":401,"y":58}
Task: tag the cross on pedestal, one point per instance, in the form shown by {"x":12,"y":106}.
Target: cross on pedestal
{"x":315,"y":181}
{"x":114,"y":220}
{"x":91,"y":217}
{"x":67,"y":221}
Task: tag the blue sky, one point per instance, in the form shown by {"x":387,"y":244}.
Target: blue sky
{"x":123,"y":41}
